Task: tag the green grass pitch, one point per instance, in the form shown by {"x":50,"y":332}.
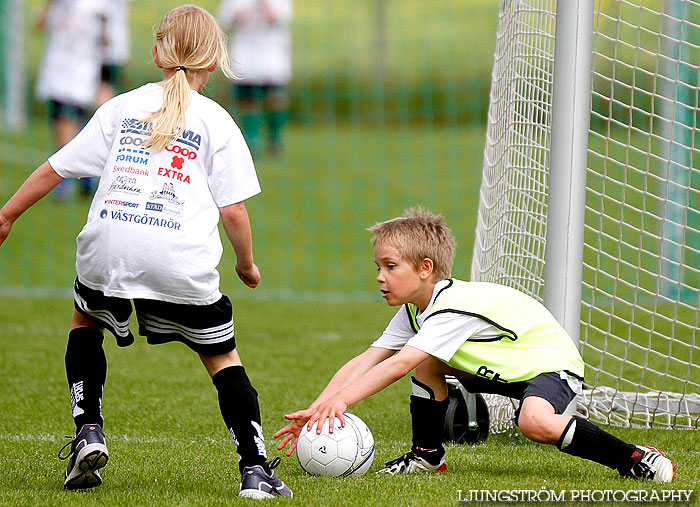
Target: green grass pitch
{"x":168,"y":444}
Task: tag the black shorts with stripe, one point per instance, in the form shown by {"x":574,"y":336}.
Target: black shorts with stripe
{"x":550,"y":386}
{"x":206,"y":329}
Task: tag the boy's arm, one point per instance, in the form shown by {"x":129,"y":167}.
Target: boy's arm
{"x":371,"y":382}
{"x":237,"y":227}
{"x":39,"y":183}
{"x":349,"y":372}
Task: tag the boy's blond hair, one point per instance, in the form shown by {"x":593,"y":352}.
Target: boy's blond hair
{"x":417,"y":235}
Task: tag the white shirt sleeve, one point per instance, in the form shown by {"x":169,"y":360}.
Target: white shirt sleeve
{"x":397,"y":333}
{"x":86,"y":154}
{"x":232,"y":177}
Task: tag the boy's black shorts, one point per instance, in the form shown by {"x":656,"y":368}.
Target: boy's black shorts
{"x":550,"y":386}
{"x":206,"y":329}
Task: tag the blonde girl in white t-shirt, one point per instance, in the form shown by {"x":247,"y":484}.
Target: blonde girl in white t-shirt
{"x":171,"y":163}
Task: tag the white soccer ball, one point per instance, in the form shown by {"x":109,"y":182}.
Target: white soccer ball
{"x":349,"y":450}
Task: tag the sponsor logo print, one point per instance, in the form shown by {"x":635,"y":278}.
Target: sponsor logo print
{"x":185,"y":152}
{"x":136,"y":218}
{"x":136,"y":141}
{"x":119,"y":202}
{"x":166,"y":194}
{"x":133,"y":156}
{"x":154,"y":206}
{"x":124,"y":184}
{"x":177,"y":162}
{"x":162,"y":208}
{"x":104,"y":213}
{"x":135,"y":126}
{"x":172,"y":173}
{"x":76,"y":396}
{"x":190,"y":138}
{"x":130,"y":170}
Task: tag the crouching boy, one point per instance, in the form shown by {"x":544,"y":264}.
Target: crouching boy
{"x":493,"y":338}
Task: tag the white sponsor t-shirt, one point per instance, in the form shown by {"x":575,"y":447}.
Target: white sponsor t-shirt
{"x":152,"y":229}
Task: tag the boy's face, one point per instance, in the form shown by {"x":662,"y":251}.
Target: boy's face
{"x":399,"y":281}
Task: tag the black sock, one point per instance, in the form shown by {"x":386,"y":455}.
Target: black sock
{"x":238,"y":401}
{"x":86,"y":370}
{"x":586,"y":440}
{"x":428,"y":423}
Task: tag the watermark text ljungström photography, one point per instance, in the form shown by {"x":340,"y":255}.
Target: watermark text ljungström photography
{"x":573,"y":495}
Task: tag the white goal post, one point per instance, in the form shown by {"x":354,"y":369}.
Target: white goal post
{"x":590,"y":193}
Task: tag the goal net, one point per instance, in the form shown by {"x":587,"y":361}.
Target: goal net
{"x":641,"y":228}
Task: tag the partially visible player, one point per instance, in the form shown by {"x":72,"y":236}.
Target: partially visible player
{"x":261,"y":55}
{"x":68,"y":74}
{"x":115,"y":53}
{"x":493,"y":338}
{"x":171,"y":164}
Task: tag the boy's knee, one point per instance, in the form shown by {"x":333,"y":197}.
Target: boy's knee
{"x":539,"y":426}
{"x":530,"y":425}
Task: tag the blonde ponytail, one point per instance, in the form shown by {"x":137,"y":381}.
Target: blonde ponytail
{"x":188,"y":40}
{"x":168,"y":122}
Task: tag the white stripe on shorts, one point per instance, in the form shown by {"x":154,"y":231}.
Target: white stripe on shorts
{"x":216,"y":334}
{"x":121,"y":329}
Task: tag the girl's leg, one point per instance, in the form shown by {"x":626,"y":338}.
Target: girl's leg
{"x":238,"y":401}
{"x":86,"y":369}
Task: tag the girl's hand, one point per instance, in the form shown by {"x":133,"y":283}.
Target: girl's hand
{"x":5,"y":227}
{"x":250,"y":276}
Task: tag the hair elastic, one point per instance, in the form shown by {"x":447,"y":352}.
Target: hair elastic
{"x":180,"y":67}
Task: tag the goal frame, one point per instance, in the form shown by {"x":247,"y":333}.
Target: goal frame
{"x":625,"y":245}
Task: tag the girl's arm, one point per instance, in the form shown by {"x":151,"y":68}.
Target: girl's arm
{"x":39,"y":183}
{"x":237,"y":227}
